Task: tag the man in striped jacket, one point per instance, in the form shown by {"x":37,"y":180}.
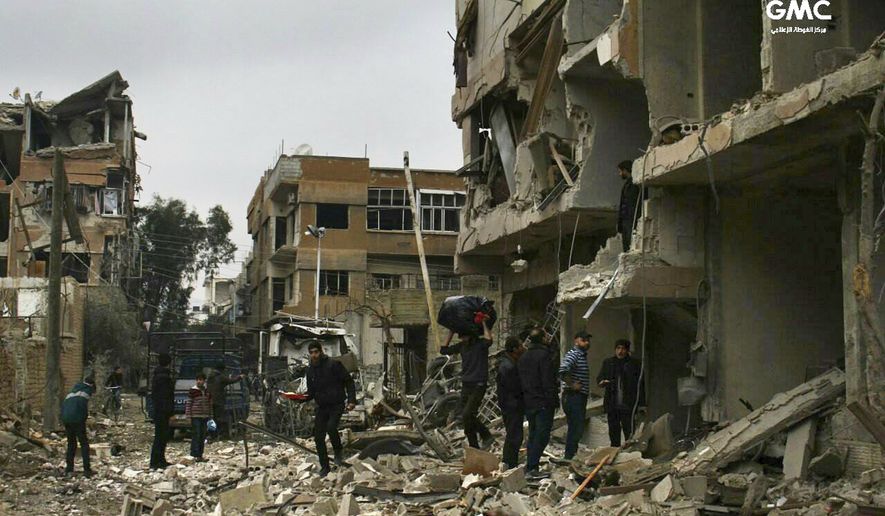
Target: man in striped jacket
{"x":575,"y":375}
{"x":199,"y":408}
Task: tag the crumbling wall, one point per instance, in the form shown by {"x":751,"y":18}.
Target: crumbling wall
{"x":583,"y":20}
{"x":781,"y":293}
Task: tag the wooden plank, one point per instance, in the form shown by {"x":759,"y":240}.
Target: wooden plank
{"x":546,"y":75}
{"x":438,"y":450}
{"x":560,"y":164}
{"x":783,"y":411}
{"x":868,"y":419}
{"x":613,"y":490}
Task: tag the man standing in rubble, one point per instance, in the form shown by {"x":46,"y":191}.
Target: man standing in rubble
{"x":163,"y":403}
{"x":621,"y":377}
{"x":627,"y":215}
{"x":510,"y":400}
{"x":217,"y":387}
{"x":575,"y":375}
{"x":74,"y":412}
{"x":537,"y":375}
{"x":474,"y":353}
{"x":329,"y":385}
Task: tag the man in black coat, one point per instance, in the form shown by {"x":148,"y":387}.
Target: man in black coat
{"x":537,"y":375}
{"x":217,"y":384}
{"x":627,"y":215}
{"x":329,"y":385}
{"x":621,"y":377}
{"x":163,"y":403}
{"x":510,"y":400}
{"x":474,"y":353}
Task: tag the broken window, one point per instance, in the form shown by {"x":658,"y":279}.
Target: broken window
{"x":332,"y":216}
{"x":440,"y":210}
{"x":279,"y":232}
{"x":388,"y":210}
{"x":279,"y":294}
{"x":75,"y":265}
{"x":334,"y":283}
{"x":494,"y":283}
{"x":115,"y":179}
{"x":110,"y":202}
{"x":384,"y":281}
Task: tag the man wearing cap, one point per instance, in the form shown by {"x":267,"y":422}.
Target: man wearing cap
{"x":575,"y":375}
{"x":621,"y":377}
{"x":217,"y":384}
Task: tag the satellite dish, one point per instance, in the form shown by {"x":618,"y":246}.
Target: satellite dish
{"x":303,"y":150}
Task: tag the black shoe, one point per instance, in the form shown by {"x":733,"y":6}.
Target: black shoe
{"x":339,"y":458}
{"x":487,"y":442}
{"x":88,"y":473}
{"x":324,"y":471}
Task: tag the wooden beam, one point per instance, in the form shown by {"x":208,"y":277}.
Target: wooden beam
{"x":869,"y":420}
{"x":559,"y":163}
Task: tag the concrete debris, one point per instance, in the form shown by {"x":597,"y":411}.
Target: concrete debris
{"x":666,"y":489}
{"x":800,"y":445}
{"x":348,"y":506}
{"x":479,"y":462}
{"x":829,"y":464}
{"x":513,"y":480}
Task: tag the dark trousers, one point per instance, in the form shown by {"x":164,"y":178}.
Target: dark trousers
{"x":540,"y":424}
{"x":219,"y":414}
{"x":513,"y":419}
{"x":471,"y":398}
{"x":77,"y":432}
{"x":162,"y":433}
{"x":326,"y":423}
{"x":574,"y":404}
{"x":619,"y":420}
{"x":626,"y":231}
{"x":198,"y":435}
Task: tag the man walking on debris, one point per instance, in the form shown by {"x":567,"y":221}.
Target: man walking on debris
{"x":474,"y":353}
{"x":114,"y":384}
{"x":162,"y":399}
{"x":621,"y":378}
{"x":510,"y":400}
{"x":217,"y":386}
{"x":575,"y":375}
{"x":537,"y":376}
{"x":329,"y":385}
{"x":627,"y":206}
{"x":74,"y":411}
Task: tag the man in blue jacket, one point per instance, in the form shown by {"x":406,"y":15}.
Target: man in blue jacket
{"x":74,"y":411}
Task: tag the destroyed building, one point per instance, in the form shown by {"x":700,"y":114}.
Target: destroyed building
{"x":743,"y":276}
{"x":95,"y":132}
{"x":369,"y":266}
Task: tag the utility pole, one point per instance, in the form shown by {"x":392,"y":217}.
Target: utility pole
{"x":419,"y":241}
{"x":53,"y":320}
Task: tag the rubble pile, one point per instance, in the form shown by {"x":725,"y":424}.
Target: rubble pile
{"x":786,"y":457}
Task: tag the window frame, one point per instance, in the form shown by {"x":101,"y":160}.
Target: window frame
{"x":431,"y":201}
{"x":316,"y":217}
{"x":338,"y":274}
{"x":374,"y":209}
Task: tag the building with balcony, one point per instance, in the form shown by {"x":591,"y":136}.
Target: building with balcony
{"x":743,"y":275}
{"x":369,"y":266}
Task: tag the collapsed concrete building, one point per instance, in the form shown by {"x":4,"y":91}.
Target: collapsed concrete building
{"x":369,"y":266}
{"x":742,"y":276}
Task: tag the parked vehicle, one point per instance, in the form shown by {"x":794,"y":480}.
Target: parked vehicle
{"x":192,"y":353}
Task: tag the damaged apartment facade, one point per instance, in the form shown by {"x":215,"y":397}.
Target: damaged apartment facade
{"x":742,"y":279}
{"x":370,"y":273}
{"x":93,"y":130}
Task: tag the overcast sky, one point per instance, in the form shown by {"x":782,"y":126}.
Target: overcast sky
{"x":217,"y":85}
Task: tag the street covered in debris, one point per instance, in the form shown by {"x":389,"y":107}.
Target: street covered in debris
{"x":603,"y":257}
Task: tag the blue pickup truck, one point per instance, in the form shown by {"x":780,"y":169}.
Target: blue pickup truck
{"x":193,"y":353}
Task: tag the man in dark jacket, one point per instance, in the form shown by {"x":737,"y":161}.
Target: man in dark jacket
{"x":74,"y":411}
{"x":474,"y":353}
{"x":114,"y":385}
{"x":510,"y":400}
{"x":163,"y":403}
{"x":627,"y":215}
{"x":217,"y":387}
{"x":537,"y":375}
{"x":621,"y":378}
{"x":329,"y":385}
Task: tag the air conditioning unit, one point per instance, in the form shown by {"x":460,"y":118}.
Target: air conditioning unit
{"x":292,"y":199}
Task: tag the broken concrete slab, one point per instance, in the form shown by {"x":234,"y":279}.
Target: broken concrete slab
{"x":513,"y":480}
{"x":348,"y":506}
{"x":324,"y":506}
{"x":241,"y":498}
{"x":694,"y":486}
{"x":800,"y":446}
{"x":519,"y":504}
{"x":666,"y":489}
{"x":784,"y":410}
{"x":443,"y":482}
{"x":829,"y":464}
{"x":479,"y":462}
